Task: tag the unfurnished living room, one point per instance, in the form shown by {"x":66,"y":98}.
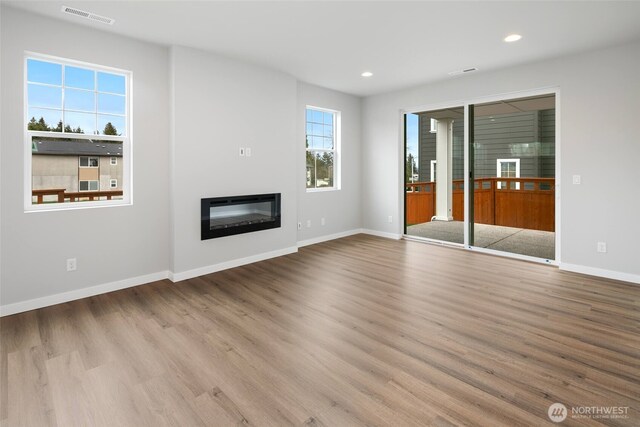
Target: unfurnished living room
{"x":319,"y":213}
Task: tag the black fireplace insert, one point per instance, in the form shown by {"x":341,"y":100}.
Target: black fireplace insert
{"x":226,"y":216}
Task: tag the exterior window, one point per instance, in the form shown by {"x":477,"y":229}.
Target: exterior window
{"x":508,"y":168}
{"x":89,"y":186}
{"x":89,"y":162}
{"x":322,"y":149}
{"x":75,"y":114}
{"x":434,"y":164}
{"x":113,"y":183}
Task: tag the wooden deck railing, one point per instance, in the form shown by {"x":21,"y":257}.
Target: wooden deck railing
{"x":63,"y":195}
{"x":511,"y":202}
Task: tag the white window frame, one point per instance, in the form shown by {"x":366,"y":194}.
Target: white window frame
{"x":499,"y":163}
{"x":127,"y":152}
{"x":113,"y":183}
{"x":88,"y":162}
{"x":113,"y":161}
{"x":432,"y":168}
{"x":88,"y":185}
{"x":337,"y":131}
{"x":433,"y":125}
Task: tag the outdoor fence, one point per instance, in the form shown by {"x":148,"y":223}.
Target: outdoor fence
{"x":512,"y":202}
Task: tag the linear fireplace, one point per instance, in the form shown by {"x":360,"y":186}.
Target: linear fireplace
{"x":226,"y":216}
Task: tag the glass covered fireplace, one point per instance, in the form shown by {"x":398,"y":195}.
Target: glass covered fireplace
{"x":226,"y":216}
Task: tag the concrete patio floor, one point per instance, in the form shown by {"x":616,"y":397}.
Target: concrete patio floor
{"x":540,"y":244}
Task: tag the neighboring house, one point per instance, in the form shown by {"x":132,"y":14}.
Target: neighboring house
{"x":81,"y":165}
{"x":522,"y":144}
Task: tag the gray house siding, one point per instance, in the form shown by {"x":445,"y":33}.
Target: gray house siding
{"x":528,"y":136}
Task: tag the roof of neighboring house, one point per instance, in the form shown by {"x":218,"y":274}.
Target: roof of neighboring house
{"x":76,"y":148}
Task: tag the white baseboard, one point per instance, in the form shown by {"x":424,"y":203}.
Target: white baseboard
{"x":329,"y":237}
{"x":395,"y":236}
{"x":32,"y":304}
{"x":201,"y":271}
{"x":600,"y":272}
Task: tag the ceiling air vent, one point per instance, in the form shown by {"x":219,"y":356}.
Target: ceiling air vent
{"x":466,"y":70}
{"x":87,"y":15}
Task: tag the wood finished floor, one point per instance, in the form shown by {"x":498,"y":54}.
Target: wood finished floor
{"x":357,"y":331}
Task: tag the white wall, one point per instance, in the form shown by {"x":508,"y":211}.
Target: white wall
{"x":342,"y":209}
{"x":220,"y":105}
{"x":599,"y":105}
{"x":110,"y":244}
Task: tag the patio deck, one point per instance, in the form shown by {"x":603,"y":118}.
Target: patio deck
{"x":536,"y":243}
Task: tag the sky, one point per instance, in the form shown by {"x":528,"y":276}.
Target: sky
{"x":412,"y":135}
{"x":91,"y":98}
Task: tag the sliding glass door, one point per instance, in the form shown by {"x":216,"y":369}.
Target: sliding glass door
{"x":509,"y":165}
{"x":434,"y":175}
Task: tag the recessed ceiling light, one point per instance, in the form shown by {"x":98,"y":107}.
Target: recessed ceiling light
{"x":512,"y":38}
{"x":367,"y":74}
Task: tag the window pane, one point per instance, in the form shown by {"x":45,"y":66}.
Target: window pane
{"x":44,"y":72}
{"x":93,"y":162}
{"x":317,"y":116}
{"x":328,"y":143}
{"x":44,"y":96}
{"x":79,"y":77}
{"x":84,"y":185}
{"x":84,"y":162}
{"x":80,"y":122}
{"x":309,"y":115}
{"x":328,"y":131}
{"x":324,"y":169}
{"x":317,"y":130}
{"x":93,"y":186}
{"x":328,"y":118}
{"x":309,"y":129}
{"x":111,"y":104}
{"x":316,"y":142}
{"x":79,"y":100}
{"x":111,"y":125}
{"x":311,"y":170}
{"x":44,"y":120}
{"x":111,"y":83}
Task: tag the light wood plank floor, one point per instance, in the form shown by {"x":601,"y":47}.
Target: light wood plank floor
{"x":357,"y":331}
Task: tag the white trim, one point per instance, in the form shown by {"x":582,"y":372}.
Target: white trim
{"x":63,"y":297}
{"x":386,"y":235}
{"x":512,"y":255}
{"x":499,"y":171}
{"x":201,"y":271}
{"x":433,"y":241}
{"x":328,"y":237}
{"x":337,"y":142}
{"x":432,"y":167}
{"x":601,"y":272}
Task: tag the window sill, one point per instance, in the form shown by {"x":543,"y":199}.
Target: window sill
{"x":53,"y":207}
{"x":322,"y":190}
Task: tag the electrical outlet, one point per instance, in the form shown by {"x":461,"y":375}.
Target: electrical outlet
{"x":299,"y":226}
{"x":247,"y":151}
{"x":602,"y":247}
{"x":241,"y":151}
{"x":390,"y":219}
{"x":72,"y":264}
{"x":322,"y":221}
{"x":308,"y":223}
{"x":576,"y":179}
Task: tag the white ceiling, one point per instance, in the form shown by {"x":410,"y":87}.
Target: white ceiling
{"x":403,"y":43}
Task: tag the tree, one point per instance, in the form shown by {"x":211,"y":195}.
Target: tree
{"x":410,"y":168}
{"x":110,"y":129}
{"x":39,"y":125}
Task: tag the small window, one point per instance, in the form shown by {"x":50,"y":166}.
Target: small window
{"x":89,"y":186}
{"x":75,"y":114}
{"x":508,"y":168}
{"x":434,"y":164}
{"x":433,"y":126}
{"x":89,"y":162}
{"x":322,"y":149}
{"x":113,"y":183}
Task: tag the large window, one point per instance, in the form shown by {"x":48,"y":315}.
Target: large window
{"x":322,"y":153}
{"x":77,"y":123}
